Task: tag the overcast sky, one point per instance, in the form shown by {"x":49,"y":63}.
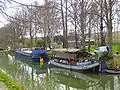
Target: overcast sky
{"x":30,"y":1}
{"x":10,"y":10}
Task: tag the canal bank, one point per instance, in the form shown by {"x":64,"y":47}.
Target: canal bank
{"x":32,"y":76}
{"x":7,"y":83}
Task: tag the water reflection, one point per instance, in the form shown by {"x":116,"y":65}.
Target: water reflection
{"x":73,"y":79}
{"x":52,"y":78}
{"x":116,"y":85}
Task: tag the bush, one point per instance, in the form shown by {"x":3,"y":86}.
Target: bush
{"x":40,"y":43}
{"x":114,"y":63}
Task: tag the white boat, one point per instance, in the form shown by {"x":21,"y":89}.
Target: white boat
{"x":71,"y":60}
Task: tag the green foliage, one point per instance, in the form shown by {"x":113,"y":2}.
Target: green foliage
{"x":49,"y":53}
{"x":39,"y":42}
{"x":105,"y":57}
{"x":114,"y":63}
{"x":27,"y":43}
{"x":10,"y":83}
{"x":92,"y":48}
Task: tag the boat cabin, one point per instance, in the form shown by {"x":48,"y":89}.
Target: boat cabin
{"x":70,"y":56}
{"x":65,"y":55}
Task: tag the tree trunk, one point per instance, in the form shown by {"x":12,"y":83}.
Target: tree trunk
{"x":110,"y":31}
{"x":66,"y":29}
{"x":75,"y":20}
{"x":101,"y":26}
{"x":31,"y":37}
{"x":14,"y":38}
{"x":109,"y":24}
{"x":35,"y":31}
{"x":89,"y":35}
{"x":63,"y":24}
{"x":83,"y":26}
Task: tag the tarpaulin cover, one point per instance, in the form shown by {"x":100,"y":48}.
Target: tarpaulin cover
{"x":39,"y":51}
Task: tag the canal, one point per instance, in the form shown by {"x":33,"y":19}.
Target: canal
{"x":51,"y":78}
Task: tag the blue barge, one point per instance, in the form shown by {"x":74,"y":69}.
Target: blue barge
{"x":33,"y":55}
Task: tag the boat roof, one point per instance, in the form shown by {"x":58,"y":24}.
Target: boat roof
{"x":66,"y":50}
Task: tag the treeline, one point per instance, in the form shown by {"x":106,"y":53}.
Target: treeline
{"x":82,"y":18}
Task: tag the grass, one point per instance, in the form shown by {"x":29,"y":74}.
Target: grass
{"x":116,"y":48}
{"x":10,"y":83}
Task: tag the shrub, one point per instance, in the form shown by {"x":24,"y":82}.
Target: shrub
{"x":114,"y":63}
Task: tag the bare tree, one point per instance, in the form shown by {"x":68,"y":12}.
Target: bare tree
{"x":63,"y":24}
{"x":108,"y":12}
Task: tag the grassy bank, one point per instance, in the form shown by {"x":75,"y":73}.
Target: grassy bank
{"x":10,"y":83}
{"x":115,"y":48}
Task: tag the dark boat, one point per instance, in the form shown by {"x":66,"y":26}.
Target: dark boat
{"x":33,"y":55}
{"x":70,"y":59}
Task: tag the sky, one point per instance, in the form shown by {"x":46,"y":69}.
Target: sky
{"x":29,"y":1}
{"x":10,"y":11}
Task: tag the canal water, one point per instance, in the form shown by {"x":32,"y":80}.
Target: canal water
{"x":51,"y":78}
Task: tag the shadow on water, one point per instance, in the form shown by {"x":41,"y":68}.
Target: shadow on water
{"x":51,"y":78}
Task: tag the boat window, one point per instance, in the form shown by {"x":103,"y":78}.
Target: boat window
{"x":56,"y":60}
{"x":63,"y":61}
{"x":97,"y":49}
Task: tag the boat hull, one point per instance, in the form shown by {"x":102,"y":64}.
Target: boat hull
{"x":76,"y":67}
{"x":23,"y":56}
{"x":30,"y":56}
{"x":112,"y":71}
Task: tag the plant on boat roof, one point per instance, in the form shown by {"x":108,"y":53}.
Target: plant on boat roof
{"x":105,"y":57}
